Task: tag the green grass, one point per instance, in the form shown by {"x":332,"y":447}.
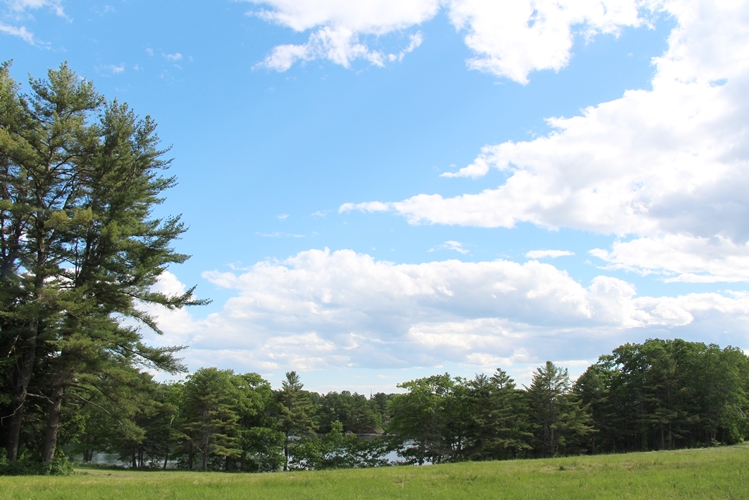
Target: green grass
{"x":705,"y":473}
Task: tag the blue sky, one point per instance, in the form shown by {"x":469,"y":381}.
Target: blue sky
{"x":380,"y":190}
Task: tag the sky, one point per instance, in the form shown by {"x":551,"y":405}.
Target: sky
{"x":388,"y":189}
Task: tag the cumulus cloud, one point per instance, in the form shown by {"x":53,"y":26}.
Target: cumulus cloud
{"x":322,"y":309}
{"x":681,"y":258}
{"x":668,"y":165}
{"x":510,"y":39}
{"x":543,"y":254}
{"x":666,"y":160}
{"x":177,"y":324}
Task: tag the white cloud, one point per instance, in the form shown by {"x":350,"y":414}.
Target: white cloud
{"x":415,"y":41}
{"x":174,"y":57}
{"x":340,"y":45}
{"x":21,"y":6}
{"x":681,"y":258}
{"x":543,"y":254}
{"x":283,"y":216}
{"x":363,"y":16}
{"x":669,"y":165}
{"x":451,"y":245}
{"x":510,"y":39}
{"x":19,"y":31}
{"x":371,"y":206}
{"x":656,"y":161}
{"x":322,"y":309}
{"x":113,"y":69}
{"x":339,"y":26}
{"x":17,"y":11}
{"x":177,"y":324}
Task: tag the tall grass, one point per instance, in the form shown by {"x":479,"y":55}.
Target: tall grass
{"x":706,"y":473}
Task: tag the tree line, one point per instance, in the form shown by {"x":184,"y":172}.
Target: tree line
{"x":659,"y":395}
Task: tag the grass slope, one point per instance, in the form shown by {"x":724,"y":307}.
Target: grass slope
{"x":704,"y":473}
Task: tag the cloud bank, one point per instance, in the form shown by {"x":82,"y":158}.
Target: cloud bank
{"x":321,"y":310}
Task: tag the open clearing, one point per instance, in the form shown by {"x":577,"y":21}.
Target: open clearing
{"x":703,"y":473}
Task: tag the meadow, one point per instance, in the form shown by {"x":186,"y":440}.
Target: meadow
{"x":703,"y":473}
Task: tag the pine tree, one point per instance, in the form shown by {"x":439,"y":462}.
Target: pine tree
{"x":210,"y":415}
{"x":561,"y":422}
{"x":81,"y":178}
{"x":496,"y":418}
{"x":295,"y":413}
{"x":46,"y":138}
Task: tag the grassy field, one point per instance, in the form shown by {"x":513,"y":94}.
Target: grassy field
{"x":705,"y":473}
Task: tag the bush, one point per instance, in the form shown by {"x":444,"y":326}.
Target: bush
{"x":26,"y":466}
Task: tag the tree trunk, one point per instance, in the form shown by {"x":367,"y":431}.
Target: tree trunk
{"x":25,"y":370}
{"x":286,"y":453}
{"x":663,"y":438}
{"x":53,"y":422}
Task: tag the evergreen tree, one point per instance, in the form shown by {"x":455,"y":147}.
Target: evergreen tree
{"x":357,"y":414}
{"x":560,"y":422}
{"x":496,"y":418}
{"x":594,"y":390}
{"x":295,"y":413}
{"x":81,"y":191}
{"x":46,"y":138}
{"x":209,"y":415}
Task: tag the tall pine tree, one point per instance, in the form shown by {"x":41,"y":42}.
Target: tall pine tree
{"x":80,"y":180}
